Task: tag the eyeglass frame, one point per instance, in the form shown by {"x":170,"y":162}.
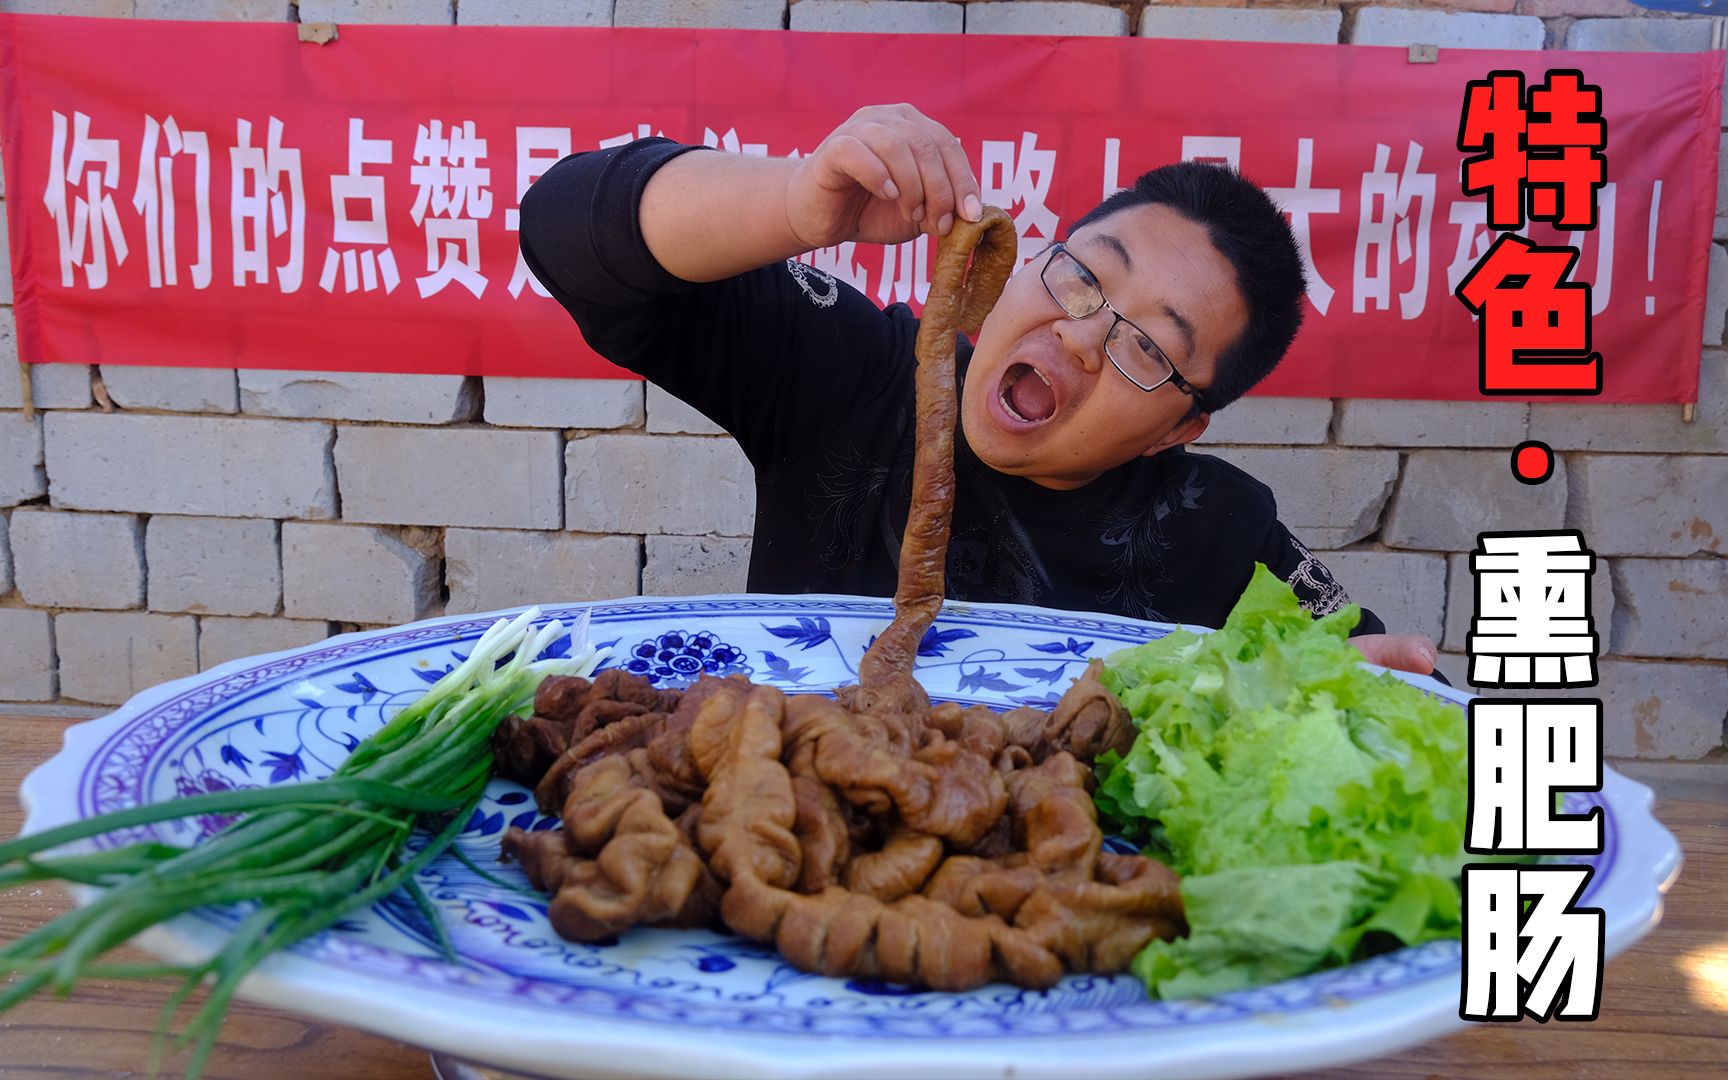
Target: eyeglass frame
{"x":1175,"y":377}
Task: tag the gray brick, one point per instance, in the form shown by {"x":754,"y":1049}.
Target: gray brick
{"x":53,"y":386}
{"x":5,"y":557}
{"x":217,"y":467}
{"x":6,"y":277}
{"x":1406,"y":590}
{"x":1716,"y":294}
{"x":1639,"y":35}
{"x":1663,"y":711}
{"x":1448,"y":30}
{"x":695,"y":565}
{"x":428,"y":476}
{"x":698,"y":14}
{"x":1039,"y":17}
{"x":1432,"y":423}
{"x":213,"y":10}
{"x":1448,"y":496}
{"x":216,"y":566}
{"x":1211,"y":24}
{"x":489,"y":569}
{"x":534,"y":13}
{"x":1642,"y":428}
{"x":108,"y":656}
{"x":658,"y":484}
{"x":92,"y":9}
{"x":353,"y":573}
{"x":563,"y":403}
{"x":1636,"y":505}
{"x":1270,"y":420}
{"x":21,"y":475}
{"x":1722,"y":177}
{"x":1461,"y":601}
{"x":1577,"y":8}
{"x":27,"y":661}
{"x":400,"y":12}
{"x":1672,"y":608}
{"x":669,"y":415}
{"x":78,"y":560}
{"x":1328,"y":498}
{"x":221,"y":639}
{"x":349,"y":395}
{"x":173,"y":389}
{"x":1655,"y":711}
{"x":878,"y":16}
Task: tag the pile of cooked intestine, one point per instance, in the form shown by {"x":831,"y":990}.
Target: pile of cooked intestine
{"x":864,"y":834}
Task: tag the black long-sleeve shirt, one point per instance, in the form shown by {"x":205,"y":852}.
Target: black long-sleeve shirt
{"x":816,"y":384}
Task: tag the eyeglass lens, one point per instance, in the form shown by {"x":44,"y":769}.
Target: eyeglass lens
{"x":1080,"y":295}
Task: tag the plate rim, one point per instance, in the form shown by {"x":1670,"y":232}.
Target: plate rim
{"x":479,"y":1030}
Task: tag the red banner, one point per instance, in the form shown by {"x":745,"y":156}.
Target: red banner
{"x":208,"y":194}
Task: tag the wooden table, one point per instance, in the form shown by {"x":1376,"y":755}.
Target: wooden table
{"x":1662,"y":1017}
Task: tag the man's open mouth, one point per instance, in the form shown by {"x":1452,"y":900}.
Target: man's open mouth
{"x":1027,"y":395}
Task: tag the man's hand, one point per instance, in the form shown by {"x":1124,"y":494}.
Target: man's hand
{"x":884,"y":176}
{"x":1406,"y":652}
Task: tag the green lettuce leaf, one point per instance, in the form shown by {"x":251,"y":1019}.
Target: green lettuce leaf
{"x":1315,"y":809}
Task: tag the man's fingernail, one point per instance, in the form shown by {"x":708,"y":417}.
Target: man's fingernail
{"x":918,"y":214}
{"x":890,"y":190}
{"x":945,"y":224}
{"x":1426,"y":654}
{"x":974,"y":208}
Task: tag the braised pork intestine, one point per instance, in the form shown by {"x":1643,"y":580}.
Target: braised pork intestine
{"x":867,"y":834}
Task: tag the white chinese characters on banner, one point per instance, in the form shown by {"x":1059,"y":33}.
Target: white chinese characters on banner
{"x":450,"y":182}
{"x":1225,"y":150}
{"x":1602,"y":281}
{"x":839,"y":261}
{"x":537,"y":149}
{"x":270,"y":217}
{"x":1385,"y":224}
{"x":1474,"y":239}
{"x":1019,"y":175}
{"x":80,"y":200}
{"x":905,"y":272}
{"x":1302,"y":201}
{"x":154,"y":198}
{"x":357,"y":202}
{"x":1112,"y":168}
{"x":268,"y":201}
{"x":731,"y":143}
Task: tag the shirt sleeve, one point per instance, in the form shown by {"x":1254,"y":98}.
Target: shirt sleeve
{"x":1309,"y":578}
{"x":776,"y":356}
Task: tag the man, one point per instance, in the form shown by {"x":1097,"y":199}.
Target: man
{"x":1105,"y":356}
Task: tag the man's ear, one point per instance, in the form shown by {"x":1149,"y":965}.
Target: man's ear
{"x":1180,"y":435}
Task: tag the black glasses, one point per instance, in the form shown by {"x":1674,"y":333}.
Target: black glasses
{"x":1131,"y":350}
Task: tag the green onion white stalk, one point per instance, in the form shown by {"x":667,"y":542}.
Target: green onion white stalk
{"x":304,"y":855}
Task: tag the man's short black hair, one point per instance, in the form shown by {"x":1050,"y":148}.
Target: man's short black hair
{"x":1250,"y":231}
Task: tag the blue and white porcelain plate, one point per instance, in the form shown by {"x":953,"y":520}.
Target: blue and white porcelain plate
{"x":684,"y":1003}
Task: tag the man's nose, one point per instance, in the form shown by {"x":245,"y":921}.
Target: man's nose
{"x":1084,"y":339}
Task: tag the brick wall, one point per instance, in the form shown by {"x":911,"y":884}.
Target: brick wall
{"x":156,"y":521}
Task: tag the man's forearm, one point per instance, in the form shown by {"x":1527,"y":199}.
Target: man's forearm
{"x":708,"y":216}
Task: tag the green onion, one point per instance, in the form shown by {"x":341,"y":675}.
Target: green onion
{"x":302,"y":856}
